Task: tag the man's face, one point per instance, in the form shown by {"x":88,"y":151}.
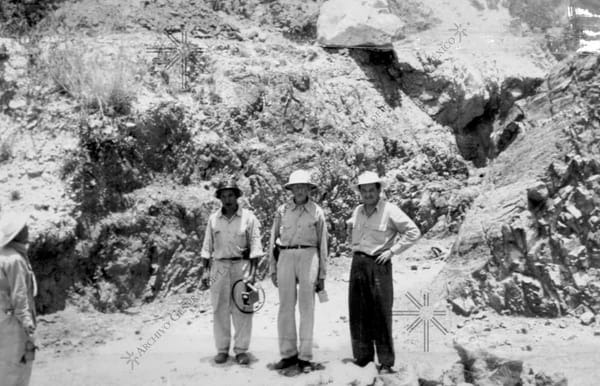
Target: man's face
{"x":300,"y":192}
{"x":369,"y":193}
{"x":228,"y":198}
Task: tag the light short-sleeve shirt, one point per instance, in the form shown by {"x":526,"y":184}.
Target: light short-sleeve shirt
{"x":301,"y":225}
{"x":227,"y":238}
{"x":387,"y":228}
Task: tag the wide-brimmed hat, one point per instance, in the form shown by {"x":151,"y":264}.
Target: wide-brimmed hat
{"x":11,"y":223}
{"x":300,"y":177}
{"x":228,"y":184}
{"x":367,"y":178}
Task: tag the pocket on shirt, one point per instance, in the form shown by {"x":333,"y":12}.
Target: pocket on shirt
{"x":240,"y":238}
{"x":285,"y":231}
{"x":311,"y":227}
{"x":377,"y":234}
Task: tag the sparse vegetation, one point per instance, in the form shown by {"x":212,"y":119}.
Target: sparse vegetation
{"x":99,"y":83}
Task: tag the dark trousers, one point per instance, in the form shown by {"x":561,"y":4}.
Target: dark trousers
{"x":371,"y":296}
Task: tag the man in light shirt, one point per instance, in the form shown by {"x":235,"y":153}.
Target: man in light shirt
{"x":374,"y":229}
{"x":300,"y":230}
{"x":232,"y":244}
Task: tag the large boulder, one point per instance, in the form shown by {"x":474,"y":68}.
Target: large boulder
{"x":358,"y":23}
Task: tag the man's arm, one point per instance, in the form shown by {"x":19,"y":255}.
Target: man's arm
{"x":409,"y":233}
{"x":322,"y":243}
{"x":350,"y":226}
{"x":272,"y":241}
{"x":16,"y":272}
{"x":255,"y":245}
{"x":206,"y":253}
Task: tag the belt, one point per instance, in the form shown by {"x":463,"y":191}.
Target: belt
{"x":362,"y":254}
{"x":232,"y":258}
{"x":296,"y":246}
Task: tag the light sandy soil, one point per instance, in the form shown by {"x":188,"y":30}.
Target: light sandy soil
{"x":83,"y":348}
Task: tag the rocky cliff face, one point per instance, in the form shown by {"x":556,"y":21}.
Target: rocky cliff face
{"x":532,"y":238}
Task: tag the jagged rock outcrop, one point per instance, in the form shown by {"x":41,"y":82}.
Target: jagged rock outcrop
{"x":531,"y":240}
{"x":134,"y":255}
{"x":479,"y":367}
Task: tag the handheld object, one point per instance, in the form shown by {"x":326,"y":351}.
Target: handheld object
{"x":247,"y":297}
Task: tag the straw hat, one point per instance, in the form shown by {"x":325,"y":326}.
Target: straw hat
{"x":300,"y":177}
{"x":367,"y":178}
{"x":11,"y":224}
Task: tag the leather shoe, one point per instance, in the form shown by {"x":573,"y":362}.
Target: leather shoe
{"x":242,"y":358}
{"x":361,"y":363}
{"x":286,"y":362}
{"x":304,"y":366}
{"x":221,"y":358}
{"x":386,"y":370}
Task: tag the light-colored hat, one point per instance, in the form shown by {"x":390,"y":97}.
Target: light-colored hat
{"x":11,"y":223}
{"x":300,"y":177}
{"x":369,"y":178}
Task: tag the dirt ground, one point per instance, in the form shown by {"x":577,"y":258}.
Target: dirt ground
{"x":89,"y":348}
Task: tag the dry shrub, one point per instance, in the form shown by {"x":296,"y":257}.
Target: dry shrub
{"x":100,"y":82}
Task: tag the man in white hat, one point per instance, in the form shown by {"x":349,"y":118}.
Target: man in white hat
{"x":17,"y":308}
{"x":300,"y":231}
{"x":374,"y":229}
{"x":232,"y":243}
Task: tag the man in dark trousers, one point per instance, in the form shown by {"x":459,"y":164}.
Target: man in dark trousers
{"x":378,"y":230}
{"x":232,"y":243}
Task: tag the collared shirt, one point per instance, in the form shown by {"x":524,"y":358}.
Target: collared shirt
{"x":300,"y":225}
{"x":377,"y":233}
{"x":225,"y":238}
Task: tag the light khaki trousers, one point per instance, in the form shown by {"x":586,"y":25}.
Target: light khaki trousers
{"x":12,"y":348}
{"x":223,"y":275}
{"x":297,"y":271}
